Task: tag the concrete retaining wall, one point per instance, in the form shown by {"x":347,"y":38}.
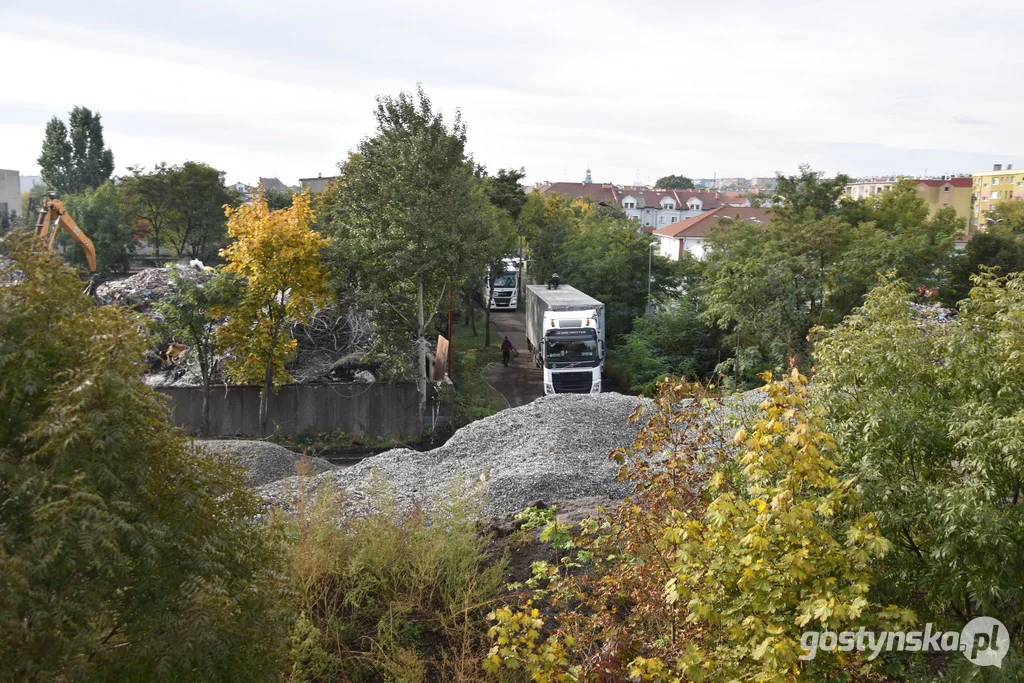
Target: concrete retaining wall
{"x":381,"y":410}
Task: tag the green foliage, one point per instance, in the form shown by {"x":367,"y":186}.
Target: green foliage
{"x":992,"y":249}
{"x":928,"y":417}
{"x":599,"y":252}
{"x":102,"y":215}
{"x":74,"y":159}
{"x":189,"y":315}
{"x":181,"y":206}
{"x":674,"y":182}
{"x":411,"y":225}
{"x":807,"y":195}
{"x":1005,"y":217}
{"x":125,"y":554}
{"x":535,"y":517}
{"x":766,"y":286}
{"x":279,"y":199}
{"x":390,"y":595}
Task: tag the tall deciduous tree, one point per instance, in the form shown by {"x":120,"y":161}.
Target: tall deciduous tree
{"x":74,"y":157}
{"x":182,"y":206}
{"x":808,"y":194}
{"x":278,"y":255}
{"x":408,"y":217}
{"x":125,"y":554}
{"x":674,"y":182}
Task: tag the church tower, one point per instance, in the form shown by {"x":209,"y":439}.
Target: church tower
{"x":588,"y":180}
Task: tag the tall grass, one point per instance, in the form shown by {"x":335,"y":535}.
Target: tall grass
{"x":391,"y":595}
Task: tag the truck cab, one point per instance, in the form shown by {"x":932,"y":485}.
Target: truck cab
{"x":571,"y":352}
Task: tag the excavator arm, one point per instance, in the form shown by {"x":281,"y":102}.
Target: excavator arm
{"x":52,"y":216}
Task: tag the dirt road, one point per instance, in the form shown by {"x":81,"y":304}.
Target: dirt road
{"x":521,"y":381}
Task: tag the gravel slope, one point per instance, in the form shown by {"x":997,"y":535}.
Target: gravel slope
{"x":555,"y":448}
{"x":263,"y":462}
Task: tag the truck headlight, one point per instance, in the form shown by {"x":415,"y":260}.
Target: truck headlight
{"x":595,"y":388}
{"x":549,"y":388}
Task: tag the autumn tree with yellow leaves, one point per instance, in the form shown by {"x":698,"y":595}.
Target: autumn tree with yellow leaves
{"x":277,"y":254}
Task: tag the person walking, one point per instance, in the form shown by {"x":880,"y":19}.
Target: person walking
{"x":507,"y":350}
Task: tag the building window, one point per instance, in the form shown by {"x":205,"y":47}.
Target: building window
{"x":946,"y":188}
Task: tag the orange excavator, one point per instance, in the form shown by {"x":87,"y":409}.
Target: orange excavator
{"x":52,"y":216}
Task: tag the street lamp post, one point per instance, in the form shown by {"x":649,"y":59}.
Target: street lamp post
{"x":650,"y":260}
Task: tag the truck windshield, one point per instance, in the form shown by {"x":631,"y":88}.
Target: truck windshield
{"x":505,"y":280}
{"x":559,"y":352}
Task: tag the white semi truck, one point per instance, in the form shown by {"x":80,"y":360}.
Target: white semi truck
{"x":566,"y":334}
{"x":505,"y":294}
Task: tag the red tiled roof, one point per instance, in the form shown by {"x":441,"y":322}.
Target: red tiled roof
{"x":955,"y":182}
{"x":700,"y":226}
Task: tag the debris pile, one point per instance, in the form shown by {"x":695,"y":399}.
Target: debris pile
{"x":147,"y":287}
{"x":262,"y":461}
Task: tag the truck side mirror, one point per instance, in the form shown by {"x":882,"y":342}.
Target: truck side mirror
{"x":543,"y":354}
{"x":600,"y":347}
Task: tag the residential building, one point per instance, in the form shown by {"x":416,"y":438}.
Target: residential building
{"x":939,"y":193}
{"x":866,"y":187}
{"x":650,"y":208}
{"x":689,"y":235}
{"x":273,"y":185}
{"x":991,"y":187}
{"x":10,"y":195}
{"x":318,"y":184}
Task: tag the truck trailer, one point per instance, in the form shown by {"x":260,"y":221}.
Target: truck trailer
{"x":565,"y":332}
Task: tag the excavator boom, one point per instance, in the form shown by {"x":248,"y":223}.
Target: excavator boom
{"x":54,"y":216}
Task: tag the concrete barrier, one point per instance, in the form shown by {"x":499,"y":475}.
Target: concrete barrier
{"x":380,"y":410}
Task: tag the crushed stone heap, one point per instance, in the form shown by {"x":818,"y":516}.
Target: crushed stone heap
{"x":555,"y":448}
{"x":262,"y":461}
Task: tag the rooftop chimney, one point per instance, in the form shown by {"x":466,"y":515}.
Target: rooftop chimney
{"x":1009,"y":167}
{"x":997,"y":167}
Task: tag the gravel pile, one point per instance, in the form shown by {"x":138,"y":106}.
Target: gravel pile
{"x":555,"y":448}
{"x":263,"y":462}
{"x":146,"y":287}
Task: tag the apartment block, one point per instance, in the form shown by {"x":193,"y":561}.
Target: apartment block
{"x":991,"y":187}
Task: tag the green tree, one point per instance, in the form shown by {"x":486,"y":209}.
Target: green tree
{"x":674,"y":182}
{"x":74,"y":157}
{"x":101,"y":214}
{"x":1006,"y":216}
{"x":198,"y":197}
{"x":278,"y":255}
{"x":148,"y":197}
{"x":182,"y":206}
{"x":1002,"y":251}
{"x":189,"y":314}
{"x":279,"y":199}
{"x":927,"y":415}
{"x":407,"y":218}
{"x":126,"y":555}
{"x":808,"y":194}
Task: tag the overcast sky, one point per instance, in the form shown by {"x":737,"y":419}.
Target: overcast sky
{"x":632,"y":90}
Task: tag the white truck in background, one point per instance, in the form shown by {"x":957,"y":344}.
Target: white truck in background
{"x":504,"y":295}
{"x":565,"y":331}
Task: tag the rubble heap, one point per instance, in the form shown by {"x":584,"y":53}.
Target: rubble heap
{"x":263,"y":462}
{"x":147,"y":287}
